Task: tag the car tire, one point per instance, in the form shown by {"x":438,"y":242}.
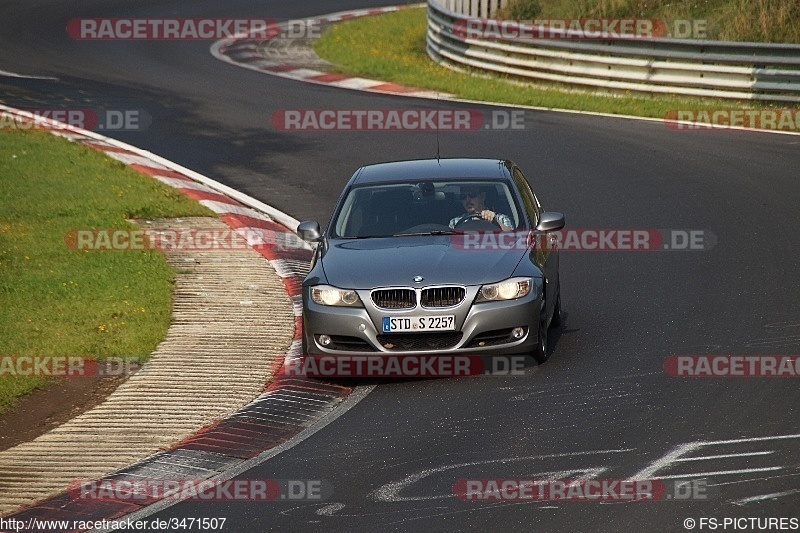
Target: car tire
{"x":556,"y":320}
{"x":541,"y":354}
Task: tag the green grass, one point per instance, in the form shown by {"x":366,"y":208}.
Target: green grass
{"x":775,"y":21}
{"x":56,"y":301}
{"x":360,"y":47}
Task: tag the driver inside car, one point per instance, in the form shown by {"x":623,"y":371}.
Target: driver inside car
{"x":474,"y":201}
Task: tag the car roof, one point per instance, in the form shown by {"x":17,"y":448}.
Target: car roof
{"x":432,"y":169}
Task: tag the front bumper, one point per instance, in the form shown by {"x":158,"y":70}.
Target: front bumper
{"x":479,"y":328}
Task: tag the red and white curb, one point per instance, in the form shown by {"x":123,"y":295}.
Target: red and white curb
{"x":244,"y":52}
{"x":289,"y":410}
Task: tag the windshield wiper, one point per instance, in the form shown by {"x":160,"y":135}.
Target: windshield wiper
{"x":415,"y":234}
{"x":423,"y":233}
{"x":365,"y":237}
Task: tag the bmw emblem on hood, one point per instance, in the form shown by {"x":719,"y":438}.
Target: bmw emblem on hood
{"x":418,"y":279}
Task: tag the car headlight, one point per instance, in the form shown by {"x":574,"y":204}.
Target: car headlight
{"x":327,"y":295}
{"x":510,"y":289}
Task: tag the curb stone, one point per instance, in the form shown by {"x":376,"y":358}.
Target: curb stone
{"x":295,"y":59}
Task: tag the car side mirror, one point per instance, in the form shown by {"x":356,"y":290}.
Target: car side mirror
{"x":550,"y":221}
{"x":309,"y":231}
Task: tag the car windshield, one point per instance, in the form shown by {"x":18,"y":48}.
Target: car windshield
{"x":424,"y":208}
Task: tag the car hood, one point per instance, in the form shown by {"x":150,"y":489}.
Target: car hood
{"x":382,"y":262}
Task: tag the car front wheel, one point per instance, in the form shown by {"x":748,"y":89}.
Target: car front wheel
{"x":541,"y":354}
{"x":556,"y":320}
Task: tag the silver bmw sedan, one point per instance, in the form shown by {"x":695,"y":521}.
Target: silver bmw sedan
{"x":438,"y":256}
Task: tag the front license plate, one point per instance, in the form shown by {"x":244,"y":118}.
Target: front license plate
{"x":419,"y":323}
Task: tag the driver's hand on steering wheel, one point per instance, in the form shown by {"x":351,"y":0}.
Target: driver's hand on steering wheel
{"x":487,"y":214}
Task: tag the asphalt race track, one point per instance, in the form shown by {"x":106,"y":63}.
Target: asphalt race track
{"x":603,"y":404}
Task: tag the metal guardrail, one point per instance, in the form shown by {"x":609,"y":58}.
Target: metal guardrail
{"x":474,"y":8}
{"x":719,"y":69}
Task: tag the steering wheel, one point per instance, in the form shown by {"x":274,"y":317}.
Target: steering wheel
{"x":477,"y":219}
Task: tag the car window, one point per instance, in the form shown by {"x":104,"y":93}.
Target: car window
{"x":532,"y":205}
{"x":384,"y":210}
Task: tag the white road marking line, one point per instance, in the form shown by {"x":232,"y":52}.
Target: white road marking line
{"x":222,"y":207}
{"x":133,"y":159}
{"x":663,"y":462}
{"x":330,"y":509}
{"x":750,"y":480}
{"x":751,"y":499}
{"x":306,"y":73}
{"x":676,"y":456}
{"x":749,"y":439}
{"x":25,"y":76}
{"x":779,"y":341}
{"x":356,"y":83}
{"x":295,"y":349}
{"x":426,"y":94}
{"x":390,"y":492}
{"x":184,"y":184}
{"x":721,"y":473}
{"x":723,"y":456}
{"x":290,"y":268}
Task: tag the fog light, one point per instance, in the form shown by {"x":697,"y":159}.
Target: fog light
{"x":518,"y":333}
{"x":324,"y":340}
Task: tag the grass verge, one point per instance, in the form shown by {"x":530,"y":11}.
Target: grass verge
{"x":360,"y":47}
{"x":55,"y":301}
